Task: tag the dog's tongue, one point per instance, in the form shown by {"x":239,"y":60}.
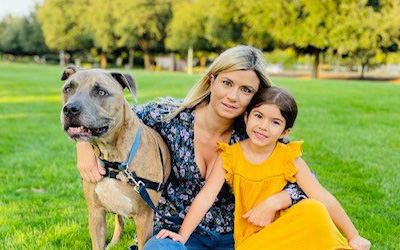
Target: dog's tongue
{"x":78,"y":131}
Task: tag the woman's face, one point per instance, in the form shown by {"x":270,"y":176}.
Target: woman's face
{"x":232,"y":91}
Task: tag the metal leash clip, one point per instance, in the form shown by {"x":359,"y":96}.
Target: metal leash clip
{"x":136,"y":184}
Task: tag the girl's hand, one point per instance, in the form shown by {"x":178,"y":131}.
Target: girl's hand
{"x":263,"y":214}
{"x":89,"y":169}
{"x":174,"y":236}
{"x":359,"y":243}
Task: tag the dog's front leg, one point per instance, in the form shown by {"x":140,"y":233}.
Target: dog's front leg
{"x":97,"y":217}
{"x":97,"y":228}
{"x":144,"y":225}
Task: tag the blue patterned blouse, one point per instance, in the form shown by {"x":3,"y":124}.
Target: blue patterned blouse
{"x":185,"y":180}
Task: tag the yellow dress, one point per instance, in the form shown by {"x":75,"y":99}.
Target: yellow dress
{"x":306,"y":225}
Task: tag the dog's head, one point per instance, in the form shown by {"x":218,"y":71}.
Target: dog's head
{"x":93,"y":102}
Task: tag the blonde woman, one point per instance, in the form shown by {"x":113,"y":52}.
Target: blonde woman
{"x":210,"y":113}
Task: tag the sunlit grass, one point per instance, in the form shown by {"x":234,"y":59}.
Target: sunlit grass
{"x":350,"y":129}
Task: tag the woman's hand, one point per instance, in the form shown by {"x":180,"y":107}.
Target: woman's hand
{"x":359,"y":243}
{"x":263,"y":214}
{"x":174,"y":236}
{"x":89,"y":169}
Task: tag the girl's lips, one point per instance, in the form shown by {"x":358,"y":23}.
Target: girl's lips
{"x":259,"y":136}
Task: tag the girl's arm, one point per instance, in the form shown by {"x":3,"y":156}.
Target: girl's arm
{"x":314,"y":189}
{"x":264,"y":213}
{"x":201,"y":204}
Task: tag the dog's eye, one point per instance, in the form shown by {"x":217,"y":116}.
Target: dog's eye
{"x":101,"y":93}
{"x":67,"y":89}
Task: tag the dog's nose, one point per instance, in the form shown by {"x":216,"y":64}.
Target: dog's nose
{"x":72,"y":109}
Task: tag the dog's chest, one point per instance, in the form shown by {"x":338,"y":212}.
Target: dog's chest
{"x":115,"y":199}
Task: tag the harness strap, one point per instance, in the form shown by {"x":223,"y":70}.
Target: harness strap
{"x":157,"y":186}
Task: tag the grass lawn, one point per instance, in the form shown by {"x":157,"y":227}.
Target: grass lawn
{"x":350,"y":129}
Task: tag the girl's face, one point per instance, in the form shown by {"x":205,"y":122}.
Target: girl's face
{"x":232,"y":91}
{"x":265,"y":125}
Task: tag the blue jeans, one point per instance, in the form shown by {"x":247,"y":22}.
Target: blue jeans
{"x":195,"y":242}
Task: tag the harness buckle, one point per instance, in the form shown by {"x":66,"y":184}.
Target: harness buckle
{"x":138,"y":185}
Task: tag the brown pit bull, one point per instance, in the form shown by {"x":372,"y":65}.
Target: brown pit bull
{"x":95,"y":110}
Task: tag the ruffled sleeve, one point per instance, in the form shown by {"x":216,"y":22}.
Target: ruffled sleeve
{"x":227,"y":163}
{"x":293,"y":151}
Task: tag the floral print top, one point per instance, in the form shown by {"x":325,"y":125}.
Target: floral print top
{"x":185,"y":180}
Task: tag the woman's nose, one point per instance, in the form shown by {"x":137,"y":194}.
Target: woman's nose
{"x":233,"y":95}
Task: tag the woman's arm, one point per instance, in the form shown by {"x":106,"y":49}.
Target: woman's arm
{"x":87,"y":164}
{"x":201,"y":204}
{"x":314,"y":189}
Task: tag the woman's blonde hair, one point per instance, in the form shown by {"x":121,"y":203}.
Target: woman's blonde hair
{"x":236,"y":58}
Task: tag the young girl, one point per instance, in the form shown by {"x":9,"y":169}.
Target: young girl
{"x":257,"y":169}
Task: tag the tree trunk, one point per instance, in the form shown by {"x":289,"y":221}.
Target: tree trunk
{"x":172,"y":67}
{"x":144,"y":45}
{"x":103,"y":60}
{"x":315,"y":70}
{"x":146,"y":58}
{"x":131,"y":57}
{"x":190,"y":61}
{"x":62,"y":59}
{"x":362,"y":70}
{"x":203,"y":61}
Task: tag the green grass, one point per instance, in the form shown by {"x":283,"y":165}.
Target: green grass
{"x":350,"y":129}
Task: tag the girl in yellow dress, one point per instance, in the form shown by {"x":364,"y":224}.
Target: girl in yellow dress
{"x":257,"y":169}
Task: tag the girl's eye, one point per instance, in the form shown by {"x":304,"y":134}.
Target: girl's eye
{"x":101,"y":93}
{"x":258,"y":116}
{"x":227,"y":83}
{"x":277,"y":123}
{"x":67,"y":89}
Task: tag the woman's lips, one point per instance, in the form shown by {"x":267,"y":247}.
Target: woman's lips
{"x":230,"y":107}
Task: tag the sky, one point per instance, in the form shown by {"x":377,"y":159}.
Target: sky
{"x":17,"y":7}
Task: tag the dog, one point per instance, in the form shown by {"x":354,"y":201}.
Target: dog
{"x":96,"y":111}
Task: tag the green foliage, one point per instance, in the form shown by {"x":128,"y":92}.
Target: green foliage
{"x":62,"y":23}
{"x":22,"y":36}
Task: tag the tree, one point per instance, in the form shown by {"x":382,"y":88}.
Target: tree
{"x":187,"y":29}
{"x":142,"y":22}
{"x":368,"y":31}
{"x":62,"y":27}
{"x":304,"y":25}
{"x":101,"y":23}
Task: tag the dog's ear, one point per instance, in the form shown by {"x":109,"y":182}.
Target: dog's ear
{"x":69,"y":71}
{"x":126,"y":81}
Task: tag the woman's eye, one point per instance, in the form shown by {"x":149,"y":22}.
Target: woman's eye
{"x":101,"y":92}
{"x":227,"y":83}
{"x":258,"y":116}
{"x":246,"y":90}
{"x":277,"y":123}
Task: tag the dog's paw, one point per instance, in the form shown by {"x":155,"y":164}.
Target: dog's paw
{"x":133,"y":247}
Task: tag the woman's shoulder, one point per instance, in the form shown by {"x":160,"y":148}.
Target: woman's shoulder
{"x":154,"y":113}
{"x":163,"y":106}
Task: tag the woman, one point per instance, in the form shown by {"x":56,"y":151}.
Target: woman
{"x":211,"y":112}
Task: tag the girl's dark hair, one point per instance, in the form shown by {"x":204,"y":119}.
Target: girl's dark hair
{"x":281,"y":98}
